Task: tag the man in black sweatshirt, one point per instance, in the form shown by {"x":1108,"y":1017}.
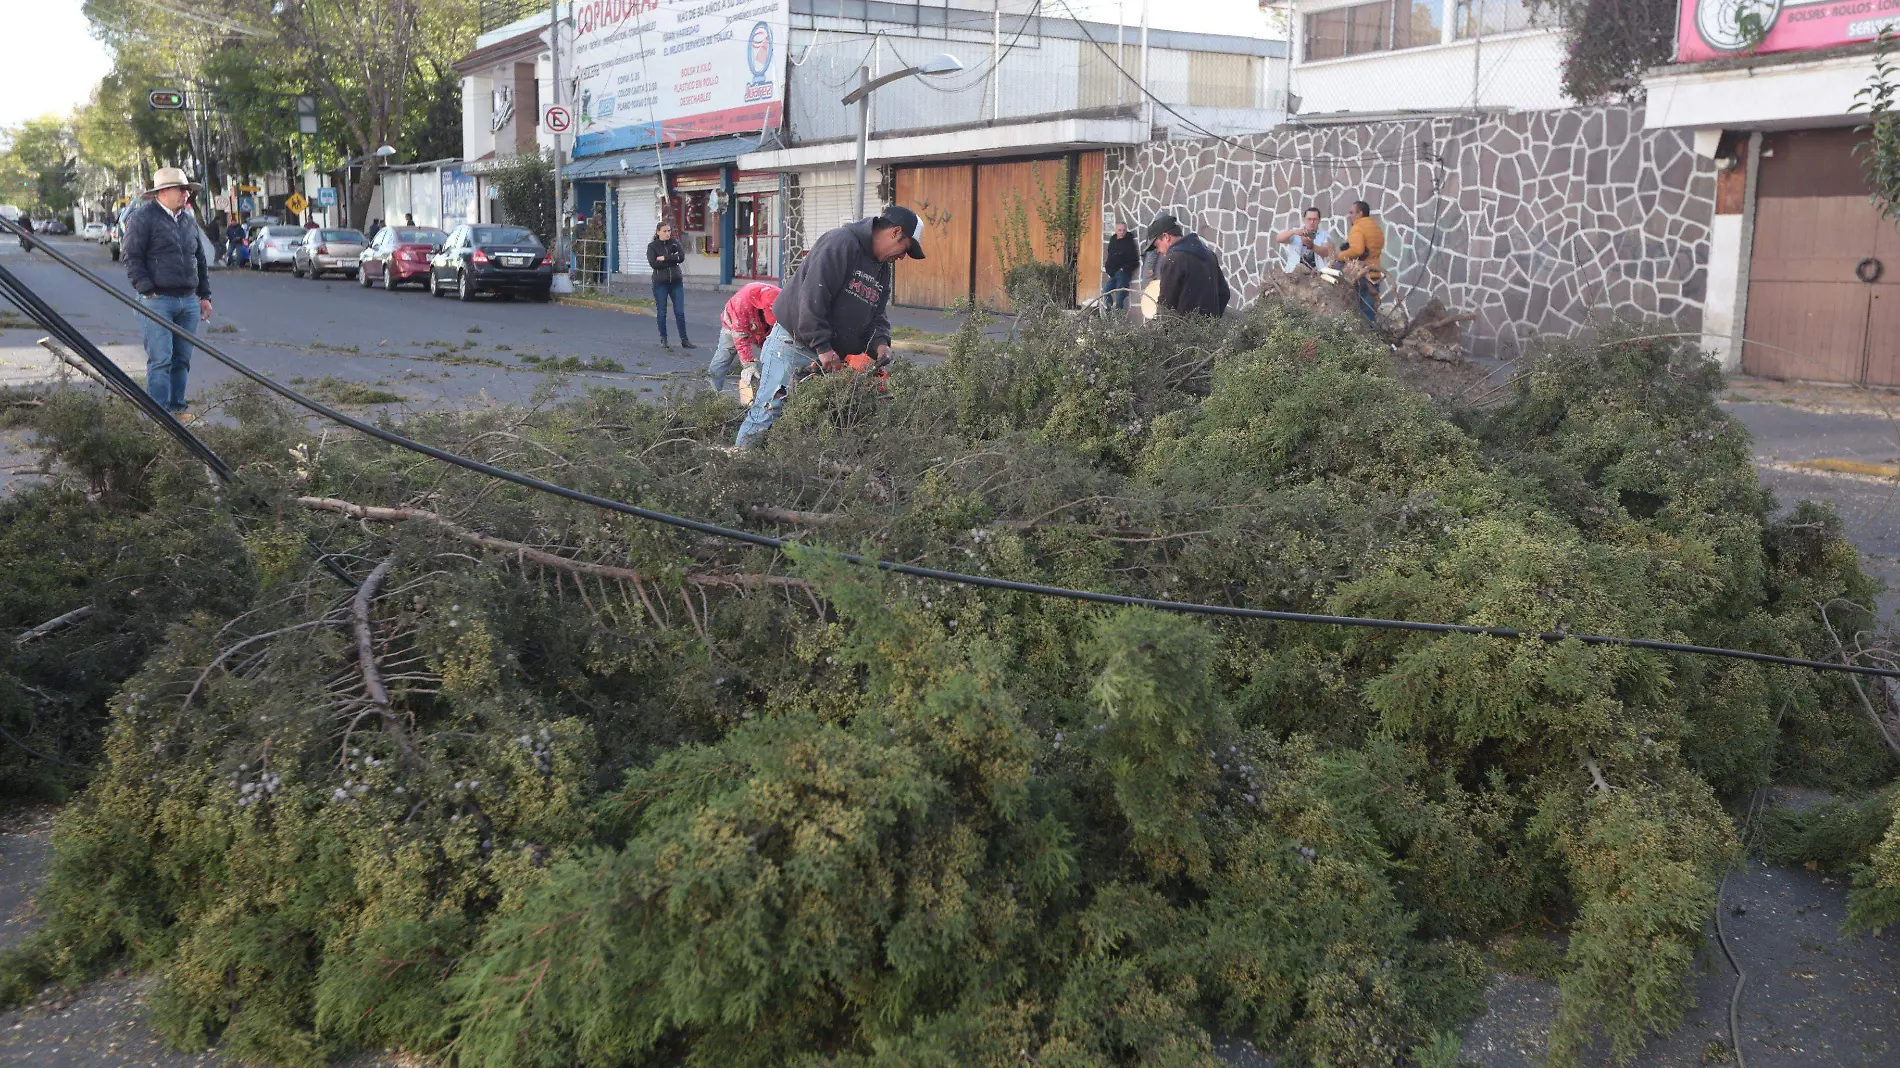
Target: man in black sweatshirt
{"x":1192,"y":282}
{"x":832,"y":308}
{"x":1120,"y":263}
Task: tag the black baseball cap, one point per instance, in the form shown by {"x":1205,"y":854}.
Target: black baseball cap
{"x":1165,"y":223}
{"x":906,"y":220}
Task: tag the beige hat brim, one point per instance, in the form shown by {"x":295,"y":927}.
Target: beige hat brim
{"x":195,"y":187}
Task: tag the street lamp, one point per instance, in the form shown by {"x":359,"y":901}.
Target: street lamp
{"x":861,"y":96}
{"x":386,"y":151}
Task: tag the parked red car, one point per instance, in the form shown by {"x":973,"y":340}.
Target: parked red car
{"x":399,"y":255}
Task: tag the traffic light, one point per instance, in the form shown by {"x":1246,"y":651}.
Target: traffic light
{"x":166,"y":99}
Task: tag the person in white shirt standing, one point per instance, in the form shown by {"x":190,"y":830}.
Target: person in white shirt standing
{"x":165,"y":262}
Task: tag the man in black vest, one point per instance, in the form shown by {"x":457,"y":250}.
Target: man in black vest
{"x":1192,"y":282}
{"x":165,"y":261}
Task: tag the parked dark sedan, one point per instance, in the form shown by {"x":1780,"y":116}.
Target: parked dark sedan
{"x":492,"y":259}
{"x":399,"y":255}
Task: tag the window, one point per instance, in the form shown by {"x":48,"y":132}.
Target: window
{"x":1483,"y":18}
{"x":503,"y":235}
{"x":343,"y":236}
{"x":1363,"y":28}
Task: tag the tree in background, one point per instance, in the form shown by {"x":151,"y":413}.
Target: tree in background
{"x":525,"y":189}
{"x":38,"y":166}
{"x":1610,"y":43}
{"x":380,"y":69}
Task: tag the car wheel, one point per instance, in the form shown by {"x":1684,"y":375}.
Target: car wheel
{"x":296,"y":269}
{"x":542,"y":296}
{"x":389,"y":280}
{"x":362,"y":278}
{"x":435,"y":285}
{"x":464,"y":289}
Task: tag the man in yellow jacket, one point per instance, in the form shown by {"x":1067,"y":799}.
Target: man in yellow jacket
{"x":1365,"y":241}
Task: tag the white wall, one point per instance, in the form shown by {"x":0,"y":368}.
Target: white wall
{"x":478,"y":107}
{"x":1787,"y":94}
{"x":1725,"y":272}
{"x":1519,"y":71}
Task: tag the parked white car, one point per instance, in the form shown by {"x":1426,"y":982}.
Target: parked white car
{"x":275,"y":246}
{"x":94,"y":231}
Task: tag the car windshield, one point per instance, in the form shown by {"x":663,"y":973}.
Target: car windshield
{"x":422,"y":236}
{"x":505,"y":235}
{"x":283,"y":231}
{"x":344,"y":236}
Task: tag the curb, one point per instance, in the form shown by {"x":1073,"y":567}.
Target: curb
{"x":583,"y":302}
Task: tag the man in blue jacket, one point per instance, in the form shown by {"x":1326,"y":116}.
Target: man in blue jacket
{"x":832,"y":308}
{"x":165,"y":261}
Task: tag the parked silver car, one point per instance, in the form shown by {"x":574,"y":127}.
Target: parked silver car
{"x":326,"y":250}
{"x":275,"y":246}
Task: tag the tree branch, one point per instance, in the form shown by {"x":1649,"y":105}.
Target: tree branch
{"x":516,"y":549}
{"x":57,"y":623}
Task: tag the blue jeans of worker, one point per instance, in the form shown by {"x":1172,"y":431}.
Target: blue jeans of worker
{"x":1118,"y":283}
{"x":168,"y":357}
{"x":780,"y":361}
{"x":1368,"y":291}
{"x":725,"y":357}
{"x":676,"y":292}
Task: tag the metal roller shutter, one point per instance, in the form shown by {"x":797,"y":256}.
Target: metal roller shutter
{"x":639,"y":214}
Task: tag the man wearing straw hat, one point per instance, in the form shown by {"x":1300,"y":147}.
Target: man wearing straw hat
{"x":165,"y":261}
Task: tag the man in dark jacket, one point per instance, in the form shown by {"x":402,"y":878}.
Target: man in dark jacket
{"x":165,"y":261}
{"x":1120,"y":263}
{"x":832,"y":308}
{"x":1192,"y":282}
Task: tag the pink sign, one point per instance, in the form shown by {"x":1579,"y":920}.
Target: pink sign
{"x":1713,"y":29}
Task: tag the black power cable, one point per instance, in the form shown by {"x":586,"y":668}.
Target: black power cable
{"x":935,"y":574}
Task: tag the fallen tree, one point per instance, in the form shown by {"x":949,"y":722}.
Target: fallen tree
{"x":553,"y":786}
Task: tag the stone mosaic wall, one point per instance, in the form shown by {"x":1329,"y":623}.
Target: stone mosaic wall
{"x":1541,"y":222}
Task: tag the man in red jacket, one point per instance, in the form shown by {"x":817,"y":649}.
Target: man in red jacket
{"x":742,"y":328}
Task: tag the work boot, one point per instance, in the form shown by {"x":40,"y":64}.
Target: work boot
{"x":685,"y":344}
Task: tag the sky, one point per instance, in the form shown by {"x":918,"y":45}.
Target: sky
{"x":56,"y":61}
{"x":52,"y":62}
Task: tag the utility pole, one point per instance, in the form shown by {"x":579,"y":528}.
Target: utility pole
{"x":560,"y":203}
{"x":1147,"y":102}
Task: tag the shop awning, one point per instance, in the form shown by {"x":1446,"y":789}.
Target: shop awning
{"x":648,"y":161}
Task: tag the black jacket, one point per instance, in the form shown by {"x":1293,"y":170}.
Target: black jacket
{"x":1122,"y":255}
{"x":1191,"y":279}
{"x":836,"y":300}
{"x":665,"y":258}
{"x":164,"y":255}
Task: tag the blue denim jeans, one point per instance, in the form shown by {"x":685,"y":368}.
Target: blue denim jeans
{"x":167,"y":357}
{"x":780,"y":361}
{"x":1118,"y":283}
{"x":676,"y":292}
{"x":1368,"y":291}
{"x":725,"y":357}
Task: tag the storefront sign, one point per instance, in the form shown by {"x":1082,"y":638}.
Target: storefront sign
{"x":654,"y":71}
{"x":1713,"y":29}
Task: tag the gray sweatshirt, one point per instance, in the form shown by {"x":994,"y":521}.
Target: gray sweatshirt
{"x":836,"y":300}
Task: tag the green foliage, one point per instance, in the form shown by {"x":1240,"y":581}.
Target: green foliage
{"x":1880,"y":153}
{"x":1838,"y":835}
{"x":1609,"y":45}
{"x":758,"y":808}
{"x":524,"y":187}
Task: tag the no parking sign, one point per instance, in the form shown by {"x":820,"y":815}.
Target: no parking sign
{"x":557,"y":119}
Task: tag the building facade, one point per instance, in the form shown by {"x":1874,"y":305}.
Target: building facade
{"x":1804,"y":273}
{"x":1019,"y":134}
{"x":1372,"y":57}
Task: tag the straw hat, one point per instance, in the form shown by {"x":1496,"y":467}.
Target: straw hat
{"x":171,"y":178}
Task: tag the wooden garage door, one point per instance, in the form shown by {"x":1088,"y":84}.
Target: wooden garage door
{"x":1883,"y":309}
{"x":942,"y":198}
{"x":1809,"y":315}
{"x":1000,"y":187}
{"x":1088,"y":254}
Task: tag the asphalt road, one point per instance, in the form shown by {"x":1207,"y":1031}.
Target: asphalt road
{"x":432,"y":352}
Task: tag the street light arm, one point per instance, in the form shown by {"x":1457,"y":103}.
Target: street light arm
{"x":875,"y":84}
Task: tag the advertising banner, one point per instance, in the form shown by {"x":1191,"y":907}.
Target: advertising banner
{"x":458,"y":195}
{"x":1713,"y":29}
{"x":665,"y":71}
